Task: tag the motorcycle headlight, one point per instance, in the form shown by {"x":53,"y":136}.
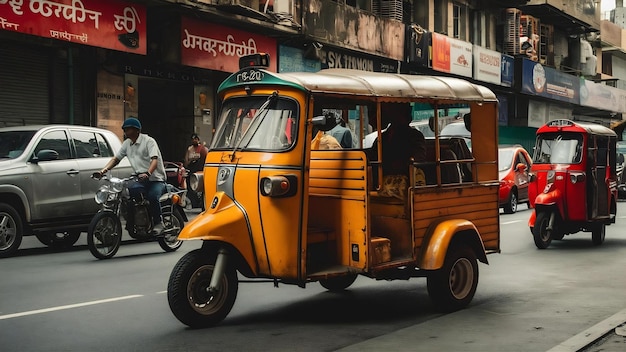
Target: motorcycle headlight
{"x":102,"y":195}
{"x":117,"y":184}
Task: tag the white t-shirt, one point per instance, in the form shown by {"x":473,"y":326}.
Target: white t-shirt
{"x":140,"y":154}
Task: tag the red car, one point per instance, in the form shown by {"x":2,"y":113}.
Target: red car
{"x":514,"y":164}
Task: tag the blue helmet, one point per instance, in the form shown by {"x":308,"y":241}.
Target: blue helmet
{"x":132,"y":122}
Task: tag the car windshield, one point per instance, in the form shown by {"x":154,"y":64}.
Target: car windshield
{"x":505,"y":159}
{"x":13,"y":143}
{"x":248,"y":123}
{"x":558,"y":148}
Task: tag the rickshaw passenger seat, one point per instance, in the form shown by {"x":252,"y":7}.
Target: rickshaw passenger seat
{"x":450,"y":172}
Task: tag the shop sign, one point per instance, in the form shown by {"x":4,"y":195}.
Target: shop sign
{"x":293,"y":60}
{"x":506,"y":74}
{"x":108,"y":24}
{"x":487,"y":65}
{"x":451,"y":55}
{"x":332,"y":58}
{"x":548,"y":82}
{"x":601,"y":96}
{"x":216,"y":47}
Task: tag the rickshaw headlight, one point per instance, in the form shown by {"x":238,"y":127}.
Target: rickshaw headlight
{"x":577,"y":177}
{"x":278,"y":186}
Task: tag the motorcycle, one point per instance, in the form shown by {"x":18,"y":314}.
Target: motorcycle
{"x":104,"y":235}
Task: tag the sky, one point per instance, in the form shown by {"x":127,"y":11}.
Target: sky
{"x":607,"y":5}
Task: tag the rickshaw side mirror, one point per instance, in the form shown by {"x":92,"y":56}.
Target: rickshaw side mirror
{"x":325,"y":122}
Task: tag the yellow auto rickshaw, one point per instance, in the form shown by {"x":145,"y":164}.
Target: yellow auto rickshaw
{"x":281,"y":206}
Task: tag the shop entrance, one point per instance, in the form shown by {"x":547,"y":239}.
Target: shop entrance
{"x":166,"y":113}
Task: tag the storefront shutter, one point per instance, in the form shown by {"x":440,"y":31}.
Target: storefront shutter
{"x":24,"y":85}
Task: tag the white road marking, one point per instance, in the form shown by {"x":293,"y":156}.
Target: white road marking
{"x":69,"y":306}
{"x":161,"y":292}
{"x":510,"y":222}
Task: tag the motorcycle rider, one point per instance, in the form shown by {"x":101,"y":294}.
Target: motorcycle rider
{"x":145,"y":158}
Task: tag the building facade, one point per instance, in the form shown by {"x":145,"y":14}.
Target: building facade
{"x":96,"y":63}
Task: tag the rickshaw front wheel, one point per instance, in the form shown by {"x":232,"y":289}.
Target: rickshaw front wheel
{"x":453,"y":286}
{"x":188,"y":295}
{"x":541,"y":235}
{"x":598,"y":233}
{"x":338,"y":283}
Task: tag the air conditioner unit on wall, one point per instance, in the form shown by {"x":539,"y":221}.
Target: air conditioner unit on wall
{"x":529,"y":37}
{"x":511,"y":44}
{"x":388,"y":8}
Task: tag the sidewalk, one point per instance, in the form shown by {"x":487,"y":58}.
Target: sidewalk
{"x":608,"y":335}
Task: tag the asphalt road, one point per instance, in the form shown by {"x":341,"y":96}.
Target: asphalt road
{"x":527,"y":300}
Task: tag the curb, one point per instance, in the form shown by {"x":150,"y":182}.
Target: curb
{"x":591,"y":335}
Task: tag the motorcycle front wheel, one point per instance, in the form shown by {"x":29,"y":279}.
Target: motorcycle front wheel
{"x":173,"y":225}
{"x":104,"y":235}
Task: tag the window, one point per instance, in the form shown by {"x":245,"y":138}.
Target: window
{"x":459,"y":21}
{"x":257,"y":123}
{"x":57,"y":141}
{"x":90,"y":145}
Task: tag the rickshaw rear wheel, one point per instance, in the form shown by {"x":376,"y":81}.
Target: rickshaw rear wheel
{"x":541,"y":235}
{"x":187,"y":293}
{"x":338,"y":283}
{"x":453,"y":286}
{"x":598,"y":234}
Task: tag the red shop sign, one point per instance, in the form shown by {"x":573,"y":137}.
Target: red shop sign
{"x":219,"y":48}
{"x":108,"y":24}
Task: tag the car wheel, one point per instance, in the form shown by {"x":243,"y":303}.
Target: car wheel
{"x":11,"y":230}
{"x":59,"y":239}
{"x":598,"y":234}
{"x":511,"y":205}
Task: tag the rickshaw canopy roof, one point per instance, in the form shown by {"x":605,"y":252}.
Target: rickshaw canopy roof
{"x":576,"y":126}
{"x":370,"y":84}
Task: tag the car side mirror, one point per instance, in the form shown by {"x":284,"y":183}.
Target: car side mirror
{"x":45,"y":155}
{"x":325,"y":122}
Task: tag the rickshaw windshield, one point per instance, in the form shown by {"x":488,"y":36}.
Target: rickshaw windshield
{"x":257,"y":123}
{"x":558,"y":148}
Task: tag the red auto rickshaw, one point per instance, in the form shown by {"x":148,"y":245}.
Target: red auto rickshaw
{"x":573,"y":184}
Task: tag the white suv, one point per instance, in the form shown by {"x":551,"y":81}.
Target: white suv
{"x":46,"y":187}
